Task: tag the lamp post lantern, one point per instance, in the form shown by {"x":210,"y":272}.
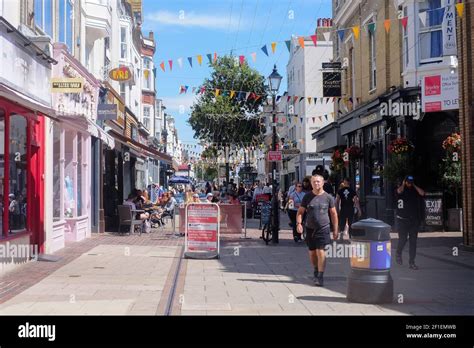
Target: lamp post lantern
{"x":274,"y":81}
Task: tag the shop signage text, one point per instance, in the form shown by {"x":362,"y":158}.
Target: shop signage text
{"x":67,"y":85}
{"x":121,"y":74}
{"x":202,"y":227}
{"x":332,"y":65}
{"x":433,"y":210}
{"x":368,"y":119}
{"x":449,"y":29}
{"x":107,"y":112}
{"x":274,"y":156}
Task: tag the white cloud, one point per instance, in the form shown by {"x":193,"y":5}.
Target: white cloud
{"x":191,"y":19}
{"x":176,"y":104}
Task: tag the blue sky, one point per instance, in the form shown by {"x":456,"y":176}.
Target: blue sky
{"x":185,"y":28}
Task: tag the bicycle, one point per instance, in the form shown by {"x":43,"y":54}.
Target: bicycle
{"x":266,"y":221}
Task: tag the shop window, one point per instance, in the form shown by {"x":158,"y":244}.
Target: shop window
{"x":375,"y":169}
{"x":123,"y":43}
{"x":79,"y":175}
{"x":69,"y":174}
{"x":372,"y":60}
{"x":2,"y":166}
{"x":17,"y":209}
{"x":57,"y":171}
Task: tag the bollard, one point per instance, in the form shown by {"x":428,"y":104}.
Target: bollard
{"x":370,"y":280}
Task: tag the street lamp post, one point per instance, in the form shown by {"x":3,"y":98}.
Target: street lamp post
{"x":274,"y":81}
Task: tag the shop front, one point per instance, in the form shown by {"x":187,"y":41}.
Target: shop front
{"x":24,"y":105}
{"x":75,"y":97}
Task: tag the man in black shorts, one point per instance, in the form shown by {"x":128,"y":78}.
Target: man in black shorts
{"x":318,"y":205}
{"x":346,"y":201}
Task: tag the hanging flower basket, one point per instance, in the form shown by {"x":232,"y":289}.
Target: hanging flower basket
{"x":400,"y":146}
{"x":337,"y":160}
{"x":354,"y":152}
{"x":452,"y":143}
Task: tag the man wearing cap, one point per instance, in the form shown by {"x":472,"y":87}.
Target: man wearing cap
{"x":209,"y":198}
{"x":408,"y":218}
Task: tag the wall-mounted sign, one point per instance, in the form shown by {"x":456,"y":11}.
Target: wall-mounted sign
{"x":440,"y":92}
{"x":331,"y":84}
{"x":274,"y":156}
{"x":121,"y":74}
{"x":107,"y":112}
{"x":67,"y":85}
{"x":433,"y":209}
{"x":332,"y":65}
{"x":291,"y":151}
{"x":449,"y":29}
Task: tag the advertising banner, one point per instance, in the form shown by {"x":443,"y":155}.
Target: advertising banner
{"x":449,"y":29}
{"x":202,"y":229}
{"x":440,"y":92}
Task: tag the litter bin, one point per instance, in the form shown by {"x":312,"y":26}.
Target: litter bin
{"x":370,"y":280}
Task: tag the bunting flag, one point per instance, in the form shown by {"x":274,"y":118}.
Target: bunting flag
{"x":241,"y":60}
{"x":301,"y":119}
{"x":288,"y":99}
{"x":215,"y":57}
{"x":190,"y":60}
{"x":315,"y":40}
{"x":247,"y":95}
{"x":162,"y":66}
{"x":288,"y":43}
{"x":217,"y":92}
{"x":327,"y":100}
{"x":315,"y":100}
{"x":460,"y":9}
{"x":405,"y":22}
{"x":199,"y":59}
{"x":295,"y":98}
{"x":314,"y":119}
{"x":257,"y":97}
{"x":321,"y":99}
{"x":278,"y":98}
{"x":146,"y":73}
{"x":301,"y":41}
{"x":254,"y":56}
{"x":309,"y":100}
{"x":170,"y":62}
{"x":371,"y":27}
{"x":232,"y":93}
{"x":326,"y":116}
{"x":320,"y":118}
{"x":209,"y":56}
{"x":202,"y":90}
{"x":274,"y":44}
{"x":341,"y":33}
{"x":356,"y":31}
{"x":386,"y":24}
{"x":264,"y":49}
{"x":180,"y":62}
{"x":301,"y":98}
{"x":351,"y":100}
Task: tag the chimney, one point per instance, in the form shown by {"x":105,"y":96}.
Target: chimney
{"x":151,"y":36}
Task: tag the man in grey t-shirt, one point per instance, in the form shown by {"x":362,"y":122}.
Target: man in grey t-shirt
{"x":319,"y":205}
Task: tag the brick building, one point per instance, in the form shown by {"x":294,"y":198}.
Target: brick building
{"x":466,"y":117}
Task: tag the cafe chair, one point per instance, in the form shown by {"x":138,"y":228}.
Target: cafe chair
{"x":127,"y":218}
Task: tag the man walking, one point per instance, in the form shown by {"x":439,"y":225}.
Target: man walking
{"x":346,"y":200}
{"x":319,"y":205}
{"x":408,"y":218}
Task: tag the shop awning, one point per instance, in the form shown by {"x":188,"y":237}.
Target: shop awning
{"x":328,"y":137}
{"x":96,"y":131}
{"x":144,"y":150}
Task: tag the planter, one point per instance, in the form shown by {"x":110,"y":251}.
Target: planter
{"x":454,"y":219}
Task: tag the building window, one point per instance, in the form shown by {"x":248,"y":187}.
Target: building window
{"x":57,"y":171}
{"x":430,"y":36}
{"x":405,"y":40}
{"x":133,"y":132}
{"x":65,"y":23}
{"x":147,"y":72}
{"x":146,"y":117}
{"x":122,"y":92}
{"x":69,"y":174}
{"x":372,"y":60}
{"x":44,"y":16}
{"x":123,"y":43}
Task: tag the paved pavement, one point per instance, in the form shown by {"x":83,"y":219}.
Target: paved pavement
{"x":115,"y":275}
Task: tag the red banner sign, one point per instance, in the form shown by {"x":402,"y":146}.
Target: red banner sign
{"x":202,"y":227}
{"x":274,"y":156}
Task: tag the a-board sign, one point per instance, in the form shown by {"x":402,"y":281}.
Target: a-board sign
{"x":433,"y":209}
{"x":202,"y":230}
{"x":265,"y":212}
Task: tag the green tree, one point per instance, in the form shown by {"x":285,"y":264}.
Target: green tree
{"x":222,"y":119}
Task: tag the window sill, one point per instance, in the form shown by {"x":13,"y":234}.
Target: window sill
{"x":372,"y":91}
{"x":431,"y":61}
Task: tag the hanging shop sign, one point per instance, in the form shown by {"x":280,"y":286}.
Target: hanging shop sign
{"x":121,"y":74}
{"x":67,"y":85}
{"x":332,"y":65}
{"x":331,"y":84}
{"x":440,"y":92}
{"x":449,"y":29}
{"x":107,"y":112}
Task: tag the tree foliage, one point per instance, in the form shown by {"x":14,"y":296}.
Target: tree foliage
{"x":222,"y":119}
